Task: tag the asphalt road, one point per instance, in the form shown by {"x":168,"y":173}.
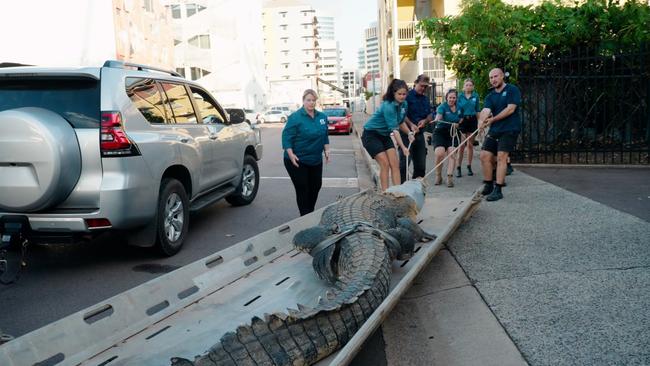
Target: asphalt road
{"x":61,"y":280}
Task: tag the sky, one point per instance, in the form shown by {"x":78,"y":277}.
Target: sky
{"x":350,"y":19}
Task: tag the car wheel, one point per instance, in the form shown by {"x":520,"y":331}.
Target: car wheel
{"x":250,"y":181}
{"x":283,"y":120}
{"x":261,"y":120}
{"x":173,"y":217}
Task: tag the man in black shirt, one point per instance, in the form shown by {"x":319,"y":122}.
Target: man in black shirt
{"x":501,"y":114}
{"x":418,"y":115}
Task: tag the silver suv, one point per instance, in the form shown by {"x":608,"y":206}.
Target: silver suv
{"x":121,"y":147}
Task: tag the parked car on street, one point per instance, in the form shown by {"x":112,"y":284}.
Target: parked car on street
{"x":251,"y":115}
{"x":273,"y":116}
{"x":339,"y":120}
{"x":122,"y":147}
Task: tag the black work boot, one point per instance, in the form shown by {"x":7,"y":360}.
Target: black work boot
{"x":469,"y":170}
{"x":488,"y":186}
{"x":458,"y":172}
{"x":496,"y":194}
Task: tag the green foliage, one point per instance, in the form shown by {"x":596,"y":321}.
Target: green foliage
{"x":490,"y":33}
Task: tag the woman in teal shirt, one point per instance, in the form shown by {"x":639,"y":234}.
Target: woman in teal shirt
{"x":446,"y":136}
{"x":376,"y":137}
{"x":305,"y":140}
{"x":469,"y":102}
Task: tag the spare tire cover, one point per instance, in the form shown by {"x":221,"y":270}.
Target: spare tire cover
{"x":40,"y":161}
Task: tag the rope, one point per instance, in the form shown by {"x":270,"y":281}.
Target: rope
{"x":426,"y":177}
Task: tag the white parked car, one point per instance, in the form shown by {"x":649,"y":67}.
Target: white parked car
{"x":273,"y":116}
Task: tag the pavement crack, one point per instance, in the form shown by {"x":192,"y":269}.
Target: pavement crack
{"x":558,"y":272}
{"x":435,"y":292}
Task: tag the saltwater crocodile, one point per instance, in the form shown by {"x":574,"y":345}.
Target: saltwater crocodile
{"x":352,"y":248}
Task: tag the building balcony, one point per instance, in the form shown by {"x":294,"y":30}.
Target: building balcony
{"x":407,"y":33}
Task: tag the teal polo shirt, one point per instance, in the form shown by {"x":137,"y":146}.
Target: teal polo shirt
{"x":307,"y":136}
{"x":496,"y":102}
{"x":387,"y":117}
{"x":448,"y":116}
{"x":471,"y":105}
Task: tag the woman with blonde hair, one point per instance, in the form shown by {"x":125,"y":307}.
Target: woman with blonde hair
{"x":305,"y":141}
{"x":469,"y":102}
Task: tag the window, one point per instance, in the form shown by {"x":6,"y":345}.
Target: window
{"x":148,"y":5}
{"x":181,"y":70}
{"x":208,"y":108}
{"x":75,"y":99}
{"x":284,"y":14}
{"x":197,"y":73}
{"x":192,"y":9}
{"x":177,"y":42}
{"x":176,"y":11}
{"x":146,"y":96}
{"x":180,"y":103}
{"x":201,"y":41}
{"x":284,"y":27}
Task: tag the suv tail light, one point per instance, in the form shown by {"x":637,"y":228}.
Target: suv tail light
{"x":113,"y":141}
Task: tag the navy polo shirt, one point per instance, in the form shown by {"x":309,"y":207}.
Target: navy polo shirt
{"x":419,"y":106}
{"x":496,"y":102}
{"x":307,"y":136}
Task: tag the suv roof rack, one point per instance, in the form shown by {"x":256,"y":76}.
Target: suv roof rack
{"x":122,"y":65}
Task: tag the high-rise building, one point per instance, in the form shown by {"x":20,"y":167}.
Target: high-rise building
{"x":291,"y":49}
{"x":86,"y":33}
{"x":325,"y":26}
{"x":222,"y":52}
{"x":369,"y":53}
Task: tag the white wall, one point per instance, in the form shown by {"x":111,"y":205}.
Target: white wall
{"x":57,"y":33}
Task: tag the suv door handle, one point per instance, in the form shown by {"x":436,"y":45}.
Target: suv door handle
{"x":213,"y":136}
{"x":184,"y":140}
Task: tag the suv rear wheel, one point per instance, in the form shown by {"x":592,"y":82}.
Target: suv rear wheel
{"x":173,"y":216}
{"x":250,"y":181}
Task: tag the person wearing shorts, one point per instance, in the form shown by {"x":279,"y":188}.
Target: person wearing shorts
{"x":386,"y":120}
{"x":501,"y":114}
{"x":469,"y":102}
{"x":418,"y":115}
{"x":446,"y":135}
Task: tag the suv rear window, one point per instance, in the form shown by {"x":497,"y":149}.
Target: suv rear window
{"x":76,"y":100}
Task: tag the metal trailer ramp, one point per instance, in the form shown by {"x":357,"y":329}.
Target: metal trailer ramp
{"x":184,"y":312}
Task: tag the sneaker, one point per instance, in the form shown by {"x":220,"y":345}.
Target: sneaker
{"x":509,"y":170}
{"x":495,"y":195}
{"x":458,"y":172}
{"x":450,"y":180}
{"x":469,"y":170}
{"x":488,"y":187}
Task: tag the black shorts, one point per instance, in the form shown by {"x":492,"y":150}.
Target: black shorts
{"x":500,"y":141}
{"x":442,"y":137}
{"x":469,"y":125}
{"x":375,"y":143}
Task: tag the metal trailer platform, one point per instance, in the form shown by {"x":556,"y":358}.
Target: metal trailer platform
{"x":186,"y":311}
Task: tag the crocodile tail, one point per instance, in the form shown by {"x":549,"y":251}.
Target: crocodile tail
{"x":303,"y":337}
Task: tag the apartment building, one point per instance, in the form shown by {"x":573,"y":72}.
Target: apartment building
{"x":351,"y":81}
{"x":87,"y":33}
{"x":399,"y":55}
{"x":222,"y":52}
{"x":369,"y":52}
{"x":330,"y":53}
{"x":291,"y":49}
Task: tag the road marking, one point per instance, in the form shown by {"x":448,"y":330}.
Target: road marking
{"x":329,"y":182}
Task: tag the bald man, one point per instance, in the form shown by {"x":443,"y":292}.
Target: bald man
{"x":501,"y":114}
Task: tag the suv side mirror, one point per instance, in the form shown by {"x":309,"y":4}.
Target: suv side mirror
{"x":237,"y":116}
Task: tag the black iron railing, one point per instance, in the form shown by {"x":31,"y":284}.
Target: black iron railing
{"x":584,"y":108}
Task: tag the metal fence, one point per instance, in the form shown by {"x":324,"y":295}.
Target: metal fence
{"x":584,"y":108}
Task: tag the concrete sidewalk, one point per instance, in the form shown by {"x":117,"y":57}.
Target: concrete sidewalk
{"x":544,"y":277}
